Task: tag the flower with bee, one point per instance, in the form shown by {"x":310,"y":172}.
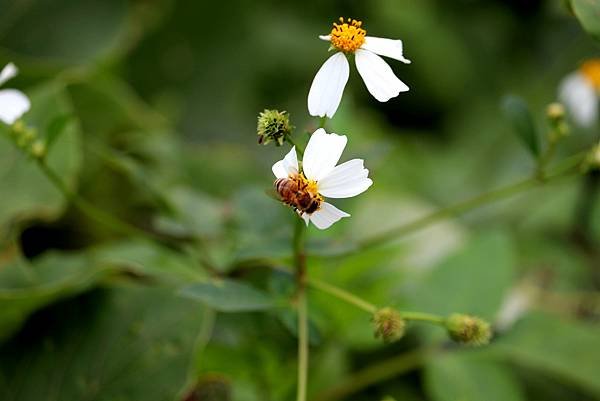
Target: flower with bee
{"x":347,"y":38}
{"x":13,"y":103}
{"x":305,"y":189}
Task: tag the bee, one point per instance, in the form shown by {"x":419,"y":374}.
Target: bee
{"x":297,"y":193}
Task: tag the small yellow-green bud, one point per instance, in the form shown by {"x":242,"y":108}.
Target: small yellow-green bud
{"x":38,"y":149}
{"x":389,"y":325}
{"x":273,"y":126}
{"x":555,"y":111}
{"x":18,"y":127}
{"x":592,"y":160}
{"x":469,"y":330}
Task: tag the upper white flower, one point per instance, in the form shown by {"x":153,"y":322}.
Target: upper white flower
{"x":13,"y":103}
{"x":580,"y":91}
{"x":350,"y":38}
{"x":320,"y":177}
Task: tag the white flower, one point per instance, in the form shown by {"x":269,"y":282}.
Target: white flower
{"x":13,"y":103}
{"x":320,"y":177}
{"x":350,"y":38}
{"x":579,"y":92}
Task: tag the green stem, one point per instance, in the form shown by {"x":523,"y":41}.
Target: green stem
{"x":378,"y":372}
{"x":299,"y":148}
{"x":568,"y":166}
{"x":322,"y":122}
{"x":423,"y":317}
{"x":300,"y":264}
{"x":343,"y":295}
{"x":90,"y":210}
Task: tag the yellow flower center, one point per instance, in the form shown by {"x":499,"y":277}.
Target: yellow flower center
{"x":591,"y":71}
{"x":348,"y":36}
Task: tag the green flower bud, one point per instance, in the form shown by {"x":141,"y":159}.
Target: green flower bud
{"x":38,"y":149}
{"x":469,"y":330}
{"x":273,"y":125}
{"x":592,"y":159}
{"x":555,"y":112}
{"x":389,"y":325}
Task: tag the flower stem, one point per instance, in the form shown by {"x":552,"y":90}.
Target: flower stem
{"x":90,"y":210}
{"x":300,"y":263}
{"x":423,"y":317}
{"x":343,"y":295}
{"x":299,"y":148}
{"x":322,"y":122}
{"x":568,"y":166}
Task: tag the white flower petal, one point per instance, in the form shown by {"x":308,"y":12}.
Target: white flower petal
{"x":325,"y":37}
{"x":378,"y":76}
{"x":328,"y":86}
{"x":385,"y":47}
{"x":326,"y":216}
{"x":346,"y":180}
{"x":13,"y":104}
{"x":580,"y":99}
{"x":322,"y":154}
{"x":8,"y":72}
{"x":305,"y":217}
{"x":288,"y":166}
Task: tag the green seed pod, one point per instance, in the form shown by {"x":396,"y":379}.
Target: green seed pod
{"x":273,"y":126}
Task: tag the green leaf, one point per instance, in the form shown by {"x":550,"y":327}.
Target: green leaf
{"x":517,"y":112}
{"x":461,"y":377}
{"x":126,"y":343}
{"x":566,"y":349}
{"x":25,"y":190}
{"x":588,"y":13}
{"x":473,"y":281}
{"x":229,"y":296}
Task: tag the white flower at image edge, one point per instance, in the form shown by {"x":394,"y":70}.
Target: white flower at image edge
{"x":347,"y":38}
{"x":319,"y":170}
{"x":13,"y":103}
{"x":579,"y":92}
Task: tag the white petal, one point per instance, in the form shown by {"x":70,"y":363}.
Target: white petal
{"x":385,"y":47}
{"x":580,"y":99}
{"x":327,"y":215}
{"x":288,"y":166}
{"x":322,"y":154}
{"x":325,"y":37}
{"x":378,"y":76}
{"x":328,"y":86}
{"x":346,"y":180}
{"x":8,"y":72}
{"x":13,"y":104}
{"x":305,"y":217}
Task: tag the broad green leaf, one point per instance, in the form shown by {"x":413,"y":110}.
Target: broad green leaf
{"x":588,"y":13}
{"x":24,"y":188}
{"x":229,"y":296}
{"x":473,"y":281}
{"x":124,"y":343}
{"x":566,"y":349}
{"x":27,"y":286}
{"x":461,"y":377}
{"x":517,"y":112}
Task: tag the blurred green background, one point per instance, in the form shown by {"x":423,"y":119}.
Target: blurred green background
{"x":152,"y":108}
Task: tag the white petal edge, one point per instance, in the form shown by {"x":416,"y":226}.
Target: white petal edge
{"x":13,"y":104}
{"x":346,"y":180}
{"x":391,"y":48}
{"x":328,"y":86}
{"x":325,"y":37}
{"x":8,"y":72}
{"x":305,"y":217}
{"x":327,"y":215}
{"x":378,"y":76}
{"x":322,"y":153}
{"x":288,"y":166}
{"x":580,"y":99}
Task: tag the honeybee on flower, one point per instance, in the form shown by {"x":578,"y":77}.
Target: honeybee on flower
{"x":580,"y":92}
{"x":305,"y":189}
{"x":13,"y":103}
{"x":350,"y":38}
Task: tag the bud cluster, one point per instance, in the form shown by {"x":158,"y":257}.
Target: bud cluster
{"x":389,"y":325}
{"x":468,"y":330}
{"x":555,"y":112}
{"x":27,"y":139}
{"x":273,"y":126}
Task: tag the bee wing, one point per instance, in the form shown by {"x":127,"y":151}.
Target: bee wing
{"x":272,"y":193}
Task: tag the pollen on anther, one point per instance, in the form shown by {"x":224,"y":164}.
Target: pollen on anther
{"x":348,"y":35}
